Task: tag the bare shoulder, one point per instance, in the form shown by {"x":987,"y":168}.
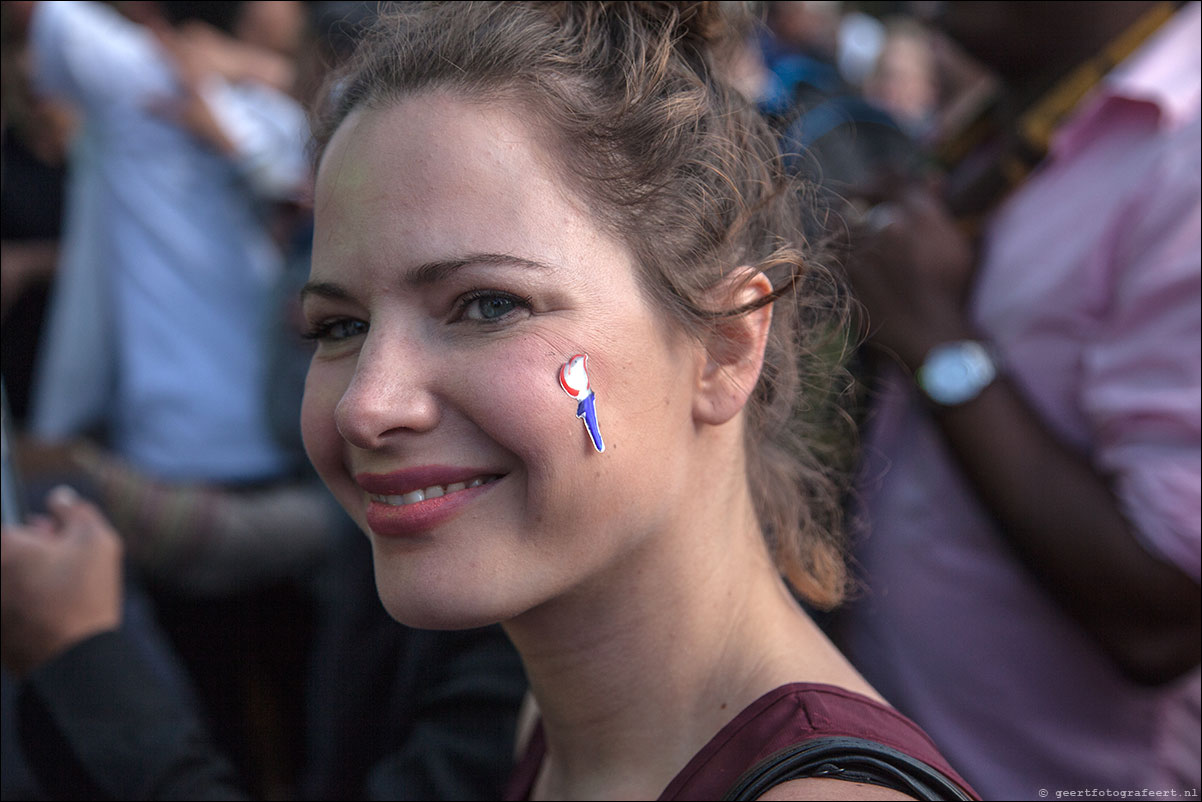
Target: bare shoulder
{"x":824,"y":788}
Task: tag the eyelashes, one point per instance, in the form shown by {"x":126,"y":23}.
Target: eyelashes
{"x":491,"y":306}
{"x":483,"y":307}
{"x":335,"y":329}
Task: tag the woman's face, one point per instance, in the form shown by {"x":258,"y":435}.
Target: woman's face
{"x":453,"y":275}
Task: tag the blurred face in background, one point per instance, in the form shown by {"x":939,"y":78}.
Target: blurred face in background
{"x":905,"y":81}
{"x":276,"y":25}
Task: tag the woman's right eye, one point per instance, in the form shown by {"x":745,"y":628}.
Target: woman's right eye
{"x":336,"y":329}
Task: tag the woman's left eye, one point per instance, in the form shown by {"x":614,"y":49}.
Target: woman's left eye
{"x":491,"y":306}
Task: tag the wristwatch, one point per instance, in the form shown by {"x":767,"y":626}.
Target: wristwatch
{"x":956,"y":372}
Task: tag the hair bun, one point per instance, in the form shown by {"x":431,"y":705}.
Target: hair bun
{"x":708,"y":23}
{"x":705,"y":21}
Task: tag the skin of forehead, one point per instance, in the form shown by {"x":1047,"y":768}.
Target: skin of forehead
{"x":445,"y":145}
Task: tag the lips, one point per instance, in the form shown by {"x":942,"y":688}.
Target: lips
{"x":416,"y":500}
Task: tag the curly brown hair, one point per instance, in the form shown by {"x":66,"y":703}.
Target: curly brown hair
{"x":677,"y":164}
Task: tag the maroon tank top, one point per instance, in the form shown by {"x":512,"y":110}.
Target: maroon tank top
{"x":780,"y":718}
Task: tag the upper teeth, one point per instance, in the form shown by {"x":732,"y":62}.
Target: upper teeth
{"x":434,"y":491}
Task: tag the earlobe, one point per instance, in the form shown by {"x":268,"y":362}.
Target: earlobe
{"x":734,"y":351}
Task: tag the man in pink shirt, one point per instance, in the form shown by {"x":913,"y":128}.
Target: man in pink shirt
{"x":1030,"y":489}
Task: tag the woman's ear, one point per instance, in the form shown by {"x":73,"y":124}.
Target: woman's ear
{"x":734,"y":348}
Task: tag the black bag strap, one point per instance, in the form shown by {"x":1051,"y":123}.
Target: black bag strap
{"x":851,"y":759}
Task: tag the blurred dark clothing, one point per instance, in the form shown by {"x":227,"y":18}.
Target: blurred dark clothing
{"x":31,"y":197}
{"x":393,"y":712}
{"x":160,"y":751}
{"x":31,"y":207}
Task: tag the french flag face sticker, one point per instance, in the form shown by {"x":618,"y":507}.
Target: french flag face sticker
{"x":573,"y":378}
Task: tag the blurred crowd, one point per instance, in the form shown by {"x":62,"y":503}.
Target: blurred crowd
{"x":156,"y":234}
{"x":1037,"y":541}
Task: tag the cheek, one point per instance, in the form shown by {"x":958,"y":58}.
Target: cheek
{"x":525,"y":409}
{"x":323,"y":443}
{"x":530,"y":415}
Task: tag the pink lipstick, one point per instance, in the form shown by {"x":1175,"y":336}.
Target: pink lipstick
{"x":416,"y":500}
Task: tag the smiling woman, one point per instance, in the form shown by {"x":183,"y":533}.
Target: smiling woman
{"x":530,"y":213}
{"x":506,"y":192}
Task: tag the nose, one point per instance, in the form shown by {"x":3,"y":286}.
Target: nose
{"x":389,"y":394}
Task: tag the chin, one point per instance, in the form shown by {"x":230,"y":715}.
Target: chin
{"x":426,"y":602}
{"x":432,"y":614}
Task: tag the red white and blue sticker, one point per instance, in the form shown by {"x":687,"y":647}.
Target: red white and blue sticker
{"x":573,"y":378}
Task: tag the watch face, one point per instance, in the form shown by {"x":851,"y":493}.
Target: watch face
{"x":954,"y":373}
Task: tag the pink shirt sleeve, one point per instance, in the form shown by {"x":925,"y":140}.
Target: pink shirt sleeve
{"x":1140,"y":386}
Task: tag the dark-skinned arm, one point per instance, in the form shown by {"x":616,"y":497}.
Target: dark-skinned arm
{"x":1058,"y":513}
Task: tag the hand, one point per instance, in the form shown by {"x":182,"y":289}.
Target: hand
{"x":24,"y":262}
{"x":60,"y":582}
{"x":194,"y":59}
{"x":199,"y":49}
{"x":911,"y":268}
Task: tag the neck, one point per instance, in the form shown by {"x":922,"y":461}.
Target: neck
{"x":636,"y":671}
{"x":620,"y":672}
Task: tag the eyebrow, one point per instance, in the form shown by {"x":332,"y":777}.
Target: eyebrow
{"x":430,"y":273}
